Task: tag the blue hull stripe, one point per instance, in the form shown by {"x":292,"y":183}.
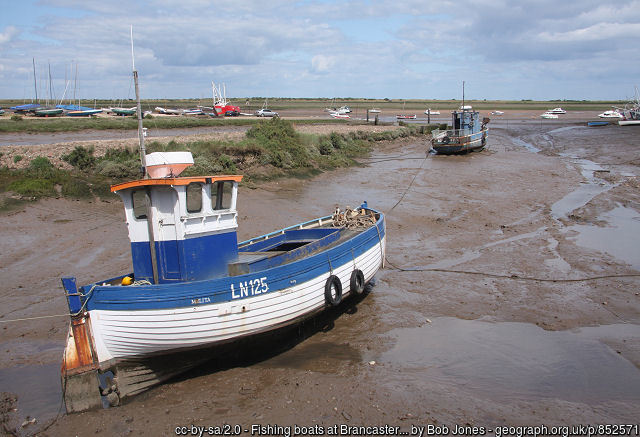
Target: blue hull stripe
{"x":189,"y":294}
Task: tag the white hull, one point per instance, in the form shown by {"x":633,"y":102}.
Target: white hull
{"x":629,"y":122}
{"x":119,"y":335}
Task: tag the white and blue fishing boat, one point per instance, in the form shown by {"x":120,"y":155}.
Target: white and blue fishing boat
{"x":194,"y":287}
{"x":468,"y":133}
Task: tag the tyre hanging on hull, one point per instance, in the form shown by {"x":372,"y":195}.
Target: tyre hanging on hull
{"x":333,"y":291}
{"x":356,"y":284}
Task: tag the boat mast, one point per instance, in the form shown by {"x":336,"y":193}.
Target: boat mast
{"x":50,"y":86}
{"x":143,"y":161}
{"x":35,"y":83}
{"x":463,"y":95}
{"x":143,"y":168}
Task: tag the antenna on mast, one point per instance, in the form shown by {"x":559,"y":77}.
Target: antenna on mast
{"x":133,"y":62}
{"x":143,"y":159}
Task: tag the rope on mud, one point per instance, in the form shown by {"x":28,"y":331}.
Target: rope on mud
{"x":34,"y":318}
{"x":86,"y":296}
{"x":514,"y":277}
{"x":411,"y":184}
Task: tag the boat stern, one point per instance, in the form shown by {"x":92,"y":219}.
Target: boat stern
{"x":79,"y":371}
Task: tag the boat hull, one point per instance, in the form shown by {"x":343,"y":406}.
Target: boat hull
{"x":452,"y":145}
{"x":629,"y":122}
{"x":124,"y":334}
{"x":132,"y":330}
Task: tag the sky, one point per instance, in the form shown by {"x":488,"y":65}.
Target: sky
{"x":400,"y":49}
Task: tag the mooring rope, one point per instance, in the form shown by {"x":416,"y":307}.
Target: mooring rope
{"x":513,"y":277}
{"x":34,"y":318}
{"x":411,"y":184}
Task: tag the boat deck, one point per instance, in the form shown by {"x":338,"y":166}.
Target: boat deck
{"x":287,"y":247}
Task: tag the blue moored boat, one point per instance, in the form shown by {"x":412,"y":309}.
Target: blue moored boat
{"x":467,"y":133}
{"x":29,"y":107}
{"x":194,"y":286}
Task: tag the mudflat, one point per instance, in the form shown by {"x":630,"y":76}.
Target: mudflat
{"x":509,"y":297}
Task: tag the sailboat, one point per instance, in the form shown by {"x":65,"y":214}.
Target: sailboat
{"x":194,"y":287}
{"x":29,"y":107}
{"x":48,"y":111}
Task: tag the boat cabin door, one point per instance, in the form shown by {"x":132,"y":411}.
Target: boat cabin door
{"x":157,"y":231}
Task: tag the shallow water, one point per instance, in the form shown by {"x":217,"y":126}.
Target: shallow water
{"x":617,"y":238}
{"x":518,"y":360}
{"x":38,"y":389}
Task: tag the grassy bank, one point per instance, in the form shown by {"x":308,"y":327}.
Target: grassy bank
{"x":250,"y":104}
{"x":269,"y":150}
{"x":26,"y":124}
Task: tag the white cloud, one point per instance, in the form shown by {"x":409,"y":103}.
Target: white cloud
{"x":323,"y":63}
{"x":8,"y":34}
{"x":415,"y":48}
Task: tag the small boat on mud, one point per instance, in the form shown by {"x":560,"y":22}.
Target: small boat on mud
{"x":611,"y":114}
{"x":339,"y":115}
{"x":631,"y":112}
{"x":406,"y":117}
{"x":467,"y":133}
{"x":28,"y":107}
{"x":556,"y":111}
{"x":78,"y":111}
{"x":123,"y":111}
{"x":48,"y":112}
{"x":597,"y":123}
{"x":549,"y":115}
{"x":194,"y":287}
{"x":167,"y":111}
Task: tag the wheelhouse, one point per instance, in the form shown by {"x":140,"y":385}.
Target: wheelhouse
{"x":181,"y":229}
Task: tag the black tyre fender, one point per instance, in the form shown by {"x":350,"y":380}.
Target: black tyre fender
{"x":445,"y":140}
{"x":333,"y":291}
{"x":356,"y":283}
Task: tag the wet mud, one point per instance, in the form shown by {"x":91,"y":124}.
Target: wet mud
{"x":509,"y":296}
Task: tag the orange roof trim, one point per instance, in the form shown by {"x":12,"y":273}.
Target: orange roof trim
{"x":174,"y":181}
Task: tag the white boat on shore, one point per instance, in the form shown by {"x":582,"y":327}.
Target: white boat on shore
{"x":631,"y":112}
{"x":611,"y":114}
{"x":430,"y":111}
{"x":339,"y":115}
{"x":549,"y":115}
{"x":556,"y":111}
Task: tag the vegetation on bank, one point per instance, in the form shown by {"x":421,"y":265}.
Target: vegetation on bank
{"x":269,"y":150}
{"x":19,"y":123}
{"x":250,"y":104}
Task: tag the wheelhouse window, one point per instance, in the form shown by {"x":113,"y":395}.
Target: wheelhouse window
{"x":194,"y":197}
{"x":221,"y":195}
{"x":140,"y":204}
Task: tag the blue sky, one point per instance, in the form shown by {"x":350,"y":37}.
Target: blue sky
{"x":502,"y":49}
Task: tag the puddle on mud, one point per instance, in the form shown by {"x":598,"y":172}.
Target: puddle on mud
{"x":317,"y":357}
{"x":584,"y":193}
{"x":565,"y":128}
{"x":620,"y":239}
{"x":530,"y":147}
{"x":512,"y":360}
{"x":37,"y":388}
